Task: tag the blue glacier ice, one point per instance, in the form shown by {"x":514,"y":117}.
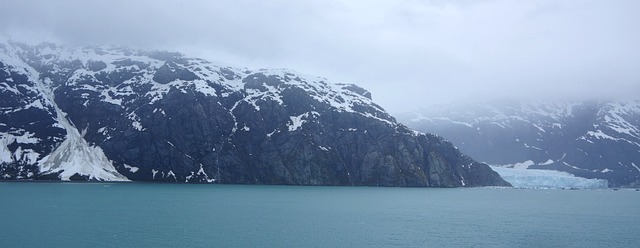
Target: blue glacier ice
{"x":531,"y":178}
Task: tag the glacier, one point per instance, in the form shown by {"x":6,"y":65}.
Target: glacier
{"x":589,"y":138}
{"x":550,"y":179}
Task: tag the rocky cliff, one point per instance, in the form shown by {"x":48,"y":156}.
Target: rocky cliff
{"x":111,"y":113}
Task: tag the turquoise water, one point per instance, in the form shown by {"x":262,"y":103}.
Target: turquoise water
{"x":178,"y":215}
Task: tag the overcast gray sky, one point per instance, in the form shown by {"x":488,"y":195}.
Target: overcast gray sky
{"x":407,"y":53}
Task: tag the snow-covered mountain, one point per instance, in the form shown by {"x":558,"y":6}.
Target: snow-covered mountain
{"x":592,"y":139}
{"x":113,"y":113}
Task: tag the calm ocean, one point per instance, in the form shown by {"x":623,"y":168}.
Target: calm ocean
{"x":180,"y":215}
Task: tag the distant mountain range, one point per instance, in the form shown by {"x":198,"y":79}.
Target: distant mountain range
{"x":113,"y":113}
{"x":592,"y":139}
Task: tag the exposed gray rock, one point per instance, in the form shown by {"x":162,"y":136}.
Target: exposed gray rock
{"x":163,"y":117}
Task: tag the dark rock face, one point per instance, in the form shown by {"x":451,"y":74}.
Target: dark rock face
{"x":588,"y":139}
{"x":28,"y":125}
{"x":163,"y":117}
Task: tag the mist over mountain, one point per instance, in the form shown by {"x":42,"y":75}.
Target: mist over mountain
{"x":406,"y":53}
{"x":592,"y":139}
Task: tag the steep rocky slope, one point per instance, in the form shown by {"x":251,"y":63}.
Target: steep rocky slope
{"x":110,"y":113}
{"x":592,"y":139}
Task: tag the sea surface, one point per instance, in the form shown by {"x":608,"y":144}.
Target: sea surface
{"x":183,"y":215}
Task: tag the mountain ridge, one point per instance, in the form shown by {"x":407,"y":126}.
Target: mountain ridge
{"x":158,"y":116}
{"x":592,"y":139}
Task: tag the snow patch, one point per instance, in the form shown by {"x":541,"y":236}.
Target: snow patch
{"x":105,"y":95}
{"x":171,"y":144}
{"x":297,"y":121}
{"x":532,"y":147}
{"x":200,"y":173}
{"x":131,"y":168}
{"x":521,"y":165}
{"x":136,"y":125}
{"x":171,"y":174}
{"x":598,"y":134}
{"x":569,"y":165}
{"x":548,"y":162}
{"x":272,"y":132}
{"x":135,"y":121}
{"x":76,"y":156}
{"x":159,"y":110}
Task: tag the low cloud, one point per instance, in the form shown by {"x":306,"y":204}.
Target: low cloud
{"x":408,"y":53}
